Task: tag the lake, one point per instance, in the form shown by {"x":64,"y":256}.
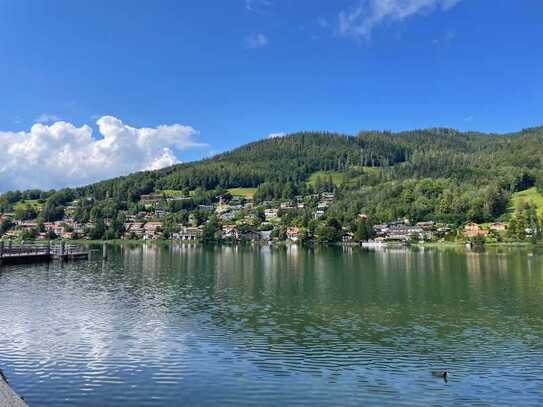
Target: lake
{"x":232,"y":326}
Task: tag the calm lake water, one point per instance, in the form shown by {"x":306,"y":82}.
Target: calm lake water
{"x":266,"y":326}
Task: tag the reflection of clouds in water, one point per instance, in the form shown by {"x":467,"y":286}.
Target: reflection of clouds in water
{"x":89,"y":322}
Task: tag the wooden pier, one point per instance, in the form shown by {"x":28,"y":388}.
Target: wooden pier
{"x":30,"y":253}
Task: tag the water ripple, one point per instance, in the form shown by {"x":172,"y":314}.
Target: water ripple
{"x":180,"y":325}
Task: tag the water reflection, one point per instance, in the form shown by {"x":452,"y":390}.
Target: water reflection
{"x":155,"y":324}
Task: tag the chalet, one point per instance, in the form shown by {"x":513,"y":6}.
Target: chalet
{"x":328,"y":197}
{"x":293,"y":233}
{"x":380,"y":229}
{"x":498,"y":227}
{"x":443,"y":230}
{"x":348,"y":237}
{"x":473,"y":229}
{"x":363,"y":216}
{"x":152,"y":230}
{"x":400,"y":231}
{"x":271,"y":214}
{"x":135,"y":228}
{"x":287,"y":205}
{"x":188,"y":233}
{"x":404,"y":232}
{"x":230,"y":232}
{"x":427,"y":226}
{"x":77,"y":228}
{"x":151,"y":198}
{"x":68,"y":235}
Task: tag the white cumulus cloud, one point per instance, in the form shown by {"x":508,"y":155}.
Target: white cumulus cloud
{"x":359,"y":21}
{"x":61,"y":154}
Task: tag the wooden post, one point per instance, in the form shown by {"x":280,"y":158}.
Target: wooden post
{"x":1,"y":251}
{"x":62,"y":243}
{"x":104,"y":251}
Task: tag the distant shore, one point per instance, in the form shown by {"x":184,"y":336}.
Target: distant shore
{"x":454,"y":244}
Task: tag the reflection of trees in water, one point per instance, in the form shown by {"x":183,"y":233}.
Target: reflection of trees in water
{"x":308,"y":301}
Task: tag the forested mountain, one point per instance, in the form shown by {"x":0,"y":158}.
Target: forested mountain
{"x":432,"y":174}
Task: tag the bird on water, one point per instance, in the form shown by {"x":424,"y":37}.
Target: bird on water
{"x":442,"y":374}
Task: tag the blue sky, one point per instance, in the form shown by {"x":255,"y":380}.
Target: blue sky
{"x":238,"y":70}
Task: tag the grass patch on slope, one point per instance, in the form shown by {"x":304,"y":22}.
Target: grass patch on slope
{"x":531,"y":195}
{"x":337,"y":177}
{"x":244,"y":192}
{"x":35,"y":203}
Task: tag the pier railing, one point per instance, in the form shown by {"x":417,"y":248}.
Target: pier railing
{"x":50,"y":250}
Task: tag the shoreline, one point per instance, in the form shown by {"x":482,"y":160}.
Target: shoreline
{"x":159,"y":242}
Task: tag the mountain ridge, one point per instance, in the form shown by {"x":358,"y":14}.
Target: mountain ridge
{"x":436,"y":174}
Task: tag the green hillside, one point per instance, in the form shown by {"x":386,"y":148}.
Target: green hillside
{"x":432,"y":174}
{"x":531,"y":196}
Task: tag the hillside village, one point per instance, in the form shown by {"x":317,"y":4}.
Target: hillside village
{"x":433,"y":185}
{"x":237,"y":218}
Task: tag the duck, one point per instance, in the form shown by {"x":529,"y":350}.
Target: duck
{"x":441,"y":373}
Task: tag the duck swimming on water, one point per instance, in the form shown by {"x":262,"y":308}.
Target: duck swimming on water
{"x":441,"y":373}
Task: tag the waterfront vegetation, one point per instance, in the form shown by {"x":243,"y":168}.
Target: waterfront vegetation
{"x":434,"y":185}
